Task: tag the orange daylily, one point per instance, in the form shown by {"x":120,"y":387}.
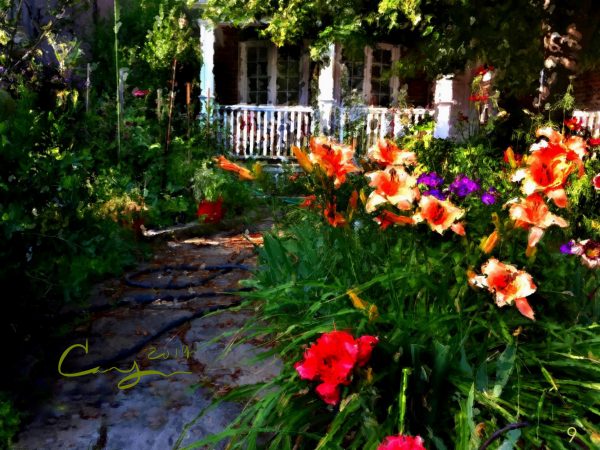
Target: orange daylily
{"x":507,"y":283}
{"x":547,"y":171}
{"x":393,"y":185}
{"x":242,"y":172}
{"x":302,"y":159}
{"x":550,"y":164}
{"x":387,"y":153}
{"x":439,"y":215}
{"x":335,"y":159}
{"x":334,"y":218}
{"x":573,"y":147}
{"x":387,"y":218}
{"x":532,"y":213}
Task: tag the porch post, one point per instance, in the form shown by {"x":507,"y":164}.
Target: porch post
{"x":207,"y":77}
{"x":443,"y":107}
{"x":451,"y":98}
{"x":326,"y":98}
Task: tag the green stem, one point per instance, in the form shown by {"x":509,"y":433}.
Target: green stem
{"x":118,"y":78}
{"x":402,"y":399}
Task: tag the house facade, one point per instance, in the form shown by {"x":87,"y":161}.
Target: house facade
{"x":262,"y":99}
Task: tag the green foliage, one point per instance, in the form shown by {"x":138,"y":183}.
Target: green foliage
{"x":9,"y":421}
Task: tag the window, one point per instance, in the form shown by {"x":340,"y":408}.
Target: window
{"x":381,"y":65}
{"x":369,"y":72}
{"x":288,"y":76}
{"x":354,"y":73}
{"x":272,"y":76}
{"x":258,"y":76}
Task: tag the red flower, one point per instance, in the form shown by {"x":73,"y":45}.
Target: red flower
{"x":594,"y":142}
{"x":401,"y":442}
{"x":308,"y":201}
{"x":482,"y":70}
{"x":212,"y":211}
{"x":479,"y":98}
{"x":140,"y":93}
{"x":331,"y":360}
{"x":573,"y":123}
{"x":596,"y":182}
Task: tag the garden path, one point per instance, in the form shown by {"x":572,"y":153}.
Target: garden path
{"x":92,"y":412}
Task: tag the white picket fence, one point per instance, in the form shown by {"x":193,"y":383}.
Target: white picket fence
{"x":268,"y":132}
{"x":591,"y":121}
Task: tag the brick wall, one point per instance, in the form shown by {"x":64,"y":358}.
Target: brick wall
{"x":587,"y":91}
{"x":226,"y":65}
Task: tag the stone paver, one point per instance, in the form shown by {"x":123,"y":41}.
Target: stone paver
{"x":92,"y":412}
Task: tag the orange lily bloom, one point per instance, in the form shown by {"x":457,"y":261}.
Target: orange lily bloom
{"x":334,"y":159}
{"x":532,"y":214}
{"x":394,"y":186}
{"x":547,"y":172}
{"x":508,"y":284}
{"x":242,"y":172}
{"x":387,"y":218}
{"x":334,"y":218}
{"x":439,"y":214}
{"x":302,"y":159}
{"x":387,"y":153}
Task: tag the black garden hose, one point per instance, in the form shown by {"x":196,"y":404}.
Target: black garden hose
{"x":142,"y":299}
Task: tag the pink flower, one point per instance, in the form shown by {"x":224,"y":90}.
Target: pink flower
{"x":140,"y":93}
{"x":401,"y":442}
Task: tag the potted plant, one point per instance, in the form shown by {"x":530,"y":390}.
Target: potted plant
{"x":208,"y":185}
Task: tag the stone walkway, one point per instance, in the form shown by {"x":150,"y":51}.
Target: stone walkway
{"x":130,"y":409}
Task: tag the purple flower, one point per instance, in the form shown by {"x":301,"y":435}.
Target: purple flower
{"x":463,"y":186}
{"x":431,"y":179}
{"x":567,"y":248}
{"x":436,"y":193}
{"x":489,"y":196}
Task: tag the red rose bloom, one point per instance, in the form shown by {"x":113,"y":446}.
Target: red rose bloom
{"x":331,"y":360}
{"x":402,"y":443}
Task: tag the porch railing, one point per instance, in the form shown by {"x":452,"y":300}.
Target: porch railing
{"x":590,"y":120}
{"x":268,"y":132}
{"x":365,"y":125}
